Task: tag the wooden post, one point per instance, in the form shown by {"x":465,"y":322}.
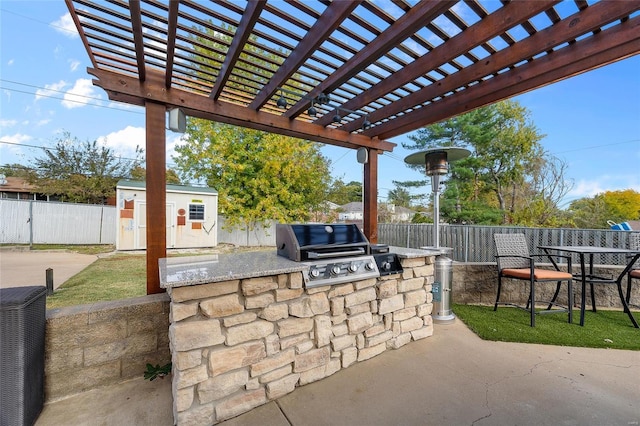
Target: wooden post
{"x":370,"y":213}
{"x":48,"y":274}
{"x":156,"y":192}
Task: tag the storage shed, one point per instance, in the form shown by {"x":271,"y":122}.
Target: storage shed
{"x":192,"y":214}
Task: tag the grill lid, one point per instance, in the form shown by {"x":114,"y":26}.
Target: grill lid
{"x":301,"y":242}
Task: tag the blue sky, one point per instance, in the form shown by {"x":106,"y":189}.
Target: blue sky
{"x":591,"y":121}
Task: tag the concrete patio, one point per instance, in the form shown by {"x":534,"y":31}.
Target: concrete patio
{"x":451,"y":378}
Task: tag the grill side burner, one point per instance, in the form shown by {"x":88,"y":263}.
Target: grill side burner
{"x":335,"y":253}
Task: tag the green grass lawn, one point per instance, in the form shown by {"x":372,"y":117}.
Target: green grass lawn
{"x":115,"y":277}
{"x":602,"y":329}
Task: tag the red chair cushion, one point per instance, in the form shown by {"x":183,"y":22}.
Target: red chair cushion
{"x":538,"y":274}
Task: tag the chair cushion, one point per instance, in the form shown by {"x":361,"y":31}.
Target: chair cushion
{"x":635,"y":273}
{"x":538,"y":274}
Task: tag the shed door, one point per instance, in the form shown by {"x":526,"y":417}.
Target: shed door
{"x":141,"y":221}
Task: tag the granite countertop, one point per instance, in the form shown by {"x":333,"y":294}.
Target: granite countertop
{"x":410,"y":253}
{"x":192,"y":270}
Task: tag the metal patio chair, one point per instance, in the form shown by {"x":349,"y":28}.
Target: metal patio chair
{"x":634,"y":244}
{"x":515,"y":262}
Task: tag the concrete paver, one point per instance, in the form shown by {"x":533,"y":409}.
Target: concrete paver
{"x":451,"y":378}
{"x":20,"y":268}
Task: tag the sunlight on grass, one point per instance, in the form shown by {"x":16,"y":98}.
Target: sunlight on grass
{"x":116,"y":277}
{"x":602,"y":329}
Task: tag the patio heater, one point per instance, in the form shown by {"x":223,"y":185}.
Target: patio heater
{"x":436,"y":161}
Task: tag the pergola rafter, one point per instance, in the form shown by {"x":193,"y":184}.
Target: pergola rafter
{"x":403,"y":67}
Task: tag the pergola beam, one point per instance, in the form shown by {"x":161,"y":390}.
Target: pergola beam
{"x":332,"y":17}
{"x":600,"y":49}
{"x":171,"y":40}
{"x":492,"y":26}
{"x":136,"y":30}
{"x":243,"y":32}
{"x":399,"y":31}
{"x":128,"y":89}
{"x":576,"y":24}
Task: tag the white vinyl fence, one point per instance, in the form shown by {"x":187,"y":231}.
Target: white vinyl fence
{"x":42,"y":222}
{"x":259,"y":236}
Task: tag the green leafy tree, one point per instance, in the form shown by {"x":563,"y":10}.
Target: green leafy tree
{"x":343,"y":193}
{"x":399,"y":196}
{"x":81,"y":172}
{"x":140,"y":173}
{"x":18,"y":170}
{"x":589,"y":213}
{"x":616,"y":206}
{"x":259,"y":176}
{"x":506,"y":170}
{"x":622,"y":205}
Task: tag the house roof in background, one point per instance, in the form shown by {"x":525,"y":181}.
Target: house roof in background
{"x":16,"y":184}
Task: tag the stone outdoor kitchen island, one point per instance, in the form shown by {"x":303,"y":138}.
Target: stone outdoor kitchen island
{"x":245,"y":331}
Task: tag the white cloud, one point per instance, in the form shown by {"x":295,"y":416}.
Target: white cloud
{"x":43,"y":122}
{"x":172,"y":140}
{"x":73,"y":64}
{"x":80,"y":94}
{"x":65,"y":26}
{"x":10,"y":62}
{"x":50,"y":89}
{"x":8,"y":123}
{"x":10,"y":146}
{"x":15,"y":139}
{"x":124,"y":142}
{"x":600,"y":184}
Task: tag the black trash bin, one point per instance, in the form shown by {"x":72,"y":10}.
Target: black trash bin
{"x":22,"y":328}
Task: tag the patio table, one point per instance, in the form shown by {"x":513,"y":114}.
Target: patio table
{"x":588,"y":276}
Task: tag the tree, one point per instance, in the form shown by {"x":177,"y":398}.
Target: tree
{"x":140,"y":173}
{"x":259,"y":176}
{"x":18,"y":170}
{"x":589,"y":213}
{"x":507,"y":169}
{"x":594,"y":212}
{"x":343,"y":193}
{"x":622,"y":205}
{"x":81,"y":172}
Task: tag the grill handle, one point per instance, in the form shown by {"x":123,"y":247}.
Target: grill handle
{"x":316,"y":255}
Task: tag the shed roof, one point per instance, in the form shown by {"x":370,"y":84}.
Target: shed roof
{"x":135,"y":184}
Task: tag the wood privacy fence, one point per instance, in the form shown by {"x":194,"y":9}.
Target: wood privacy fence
{"x":473,"y":243}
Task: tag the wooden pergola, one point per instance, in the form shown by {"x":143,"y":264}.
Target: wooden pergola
{"x":383,"y":68}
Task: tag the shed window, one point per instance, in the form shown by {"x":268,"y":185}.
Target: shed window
{"x":196,"y":212}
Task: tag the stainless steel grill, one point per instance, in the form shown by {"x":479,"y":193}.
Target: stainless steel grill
{"x":335,"y":253}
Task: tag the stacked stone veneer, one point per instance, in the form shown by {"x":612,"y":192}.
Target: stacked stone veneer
{"x":238,"y":344}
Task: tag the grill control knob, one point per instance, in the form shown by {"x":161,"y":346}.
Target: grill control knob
{"x":353,"y":267}
{"x":314,"y":273}
{"x":335,"y":270}
{"x":386,"y":266}
{"x":370,"y":266}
